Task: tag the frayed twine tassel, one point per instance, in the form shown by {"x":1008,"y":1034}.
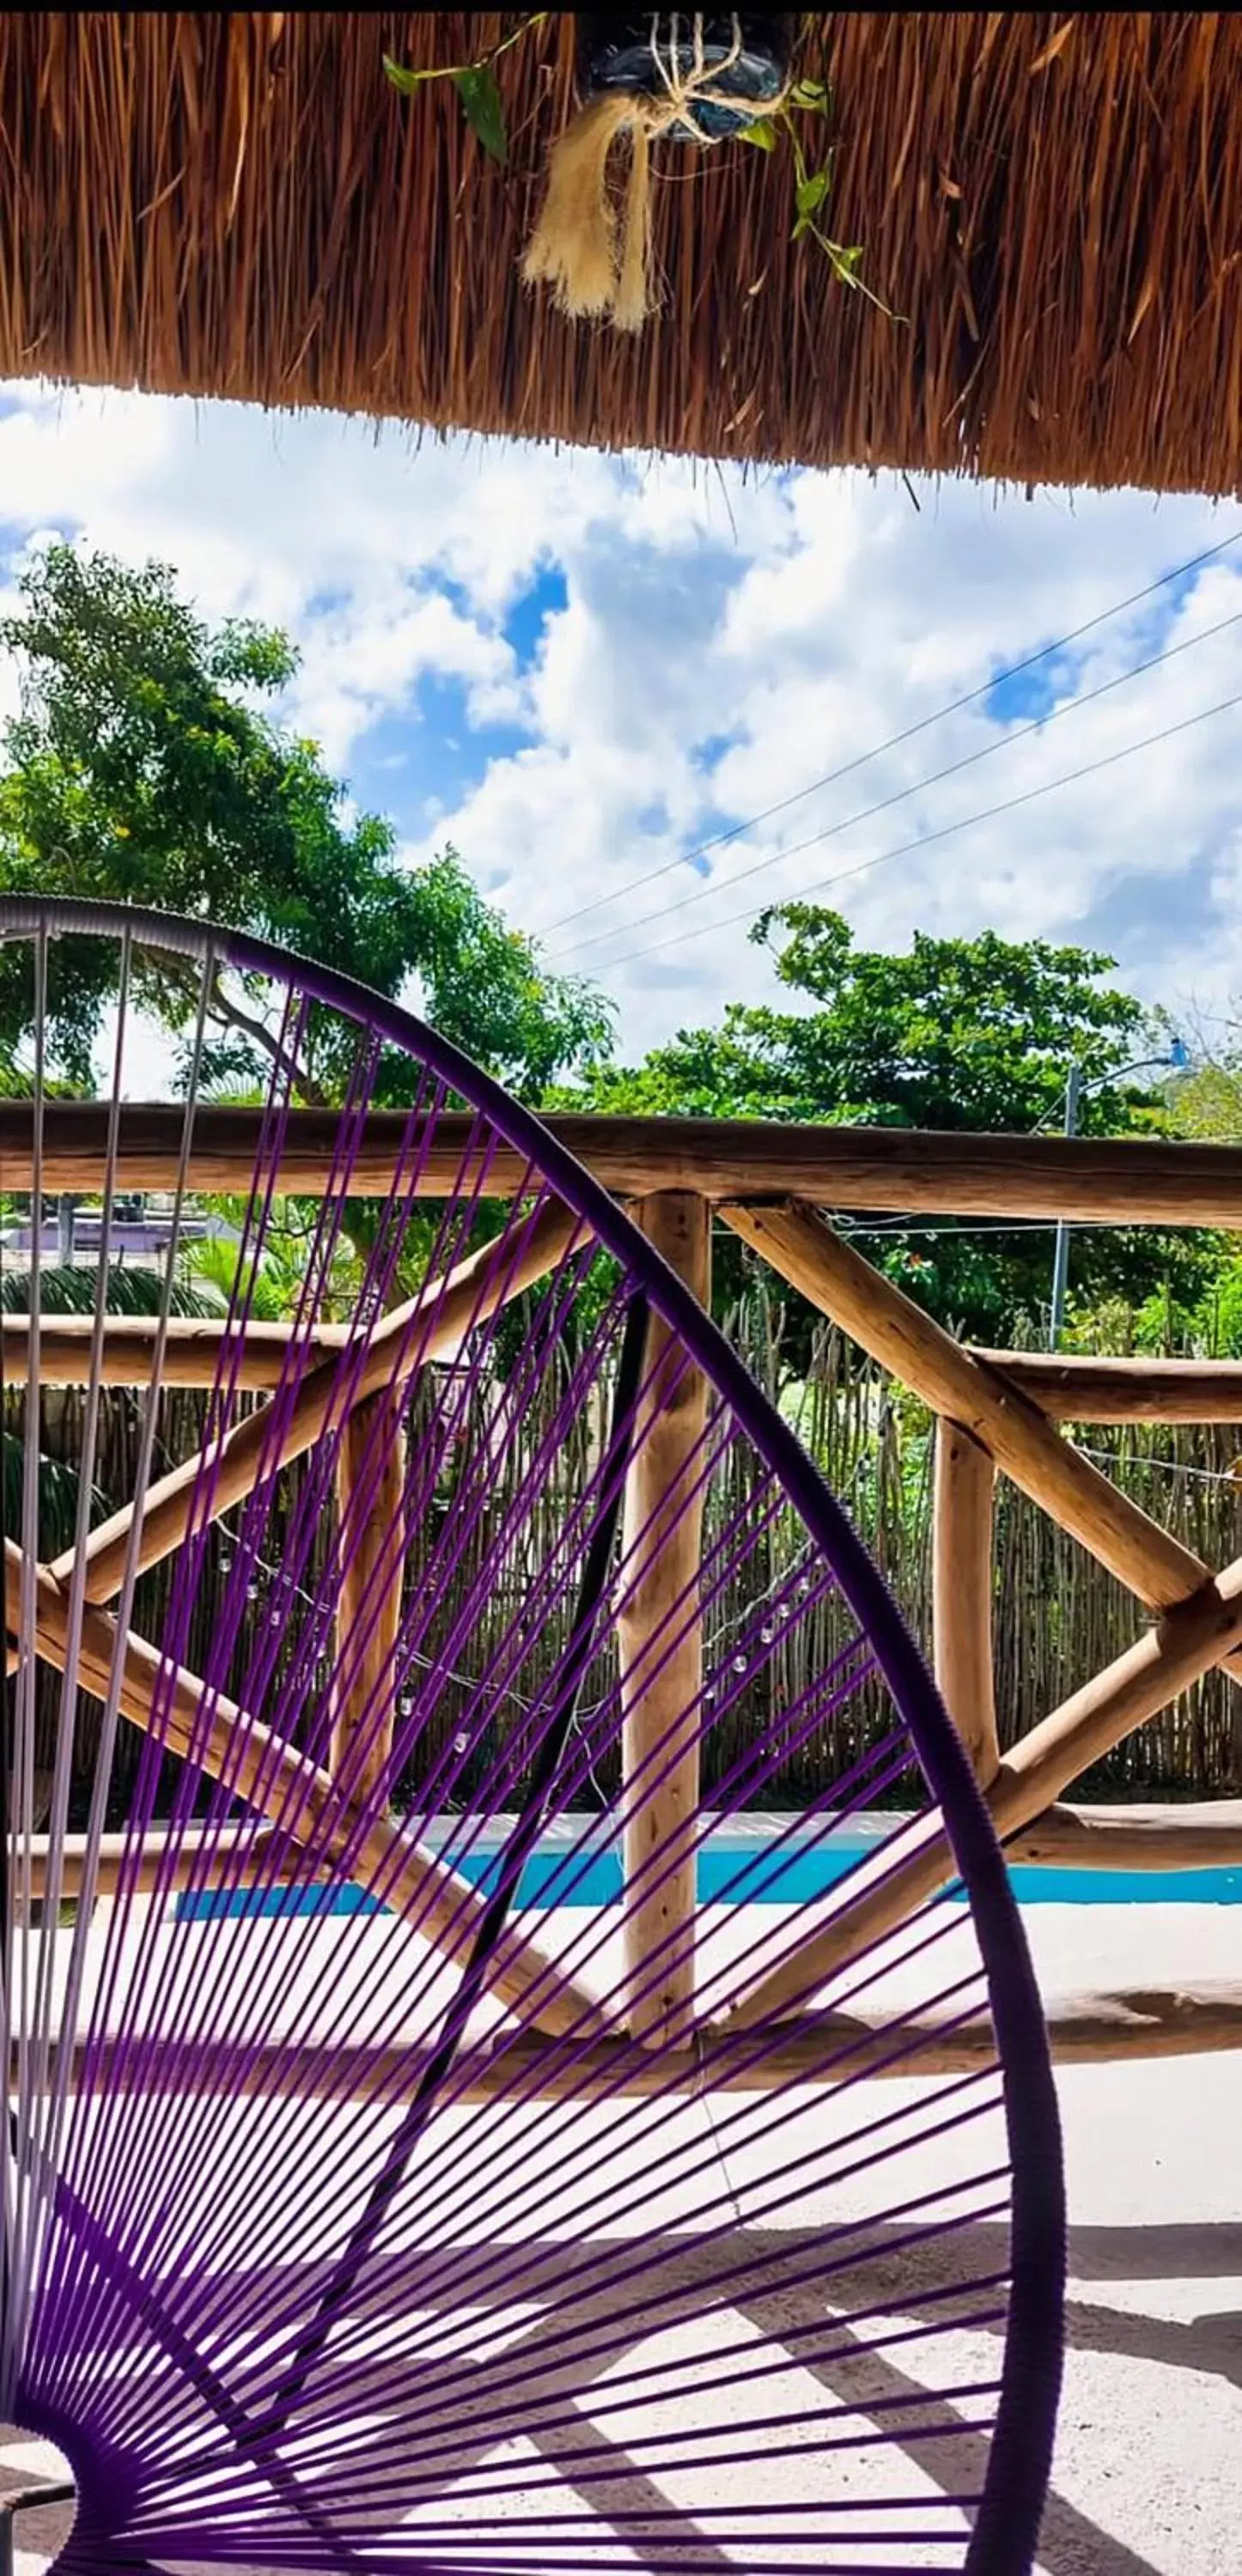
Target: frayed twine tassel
{"x":599,"y":268}
{"x":596,"y":266}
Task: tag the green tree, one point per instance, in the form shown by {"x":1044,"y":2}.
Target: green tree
{"x":951,"y":1033}
{"x":1206,"y":1100}
{"x":145,"y":765}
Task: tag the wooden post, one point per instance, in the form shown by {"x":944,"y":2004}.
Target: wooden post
{"x":962,"y":1592}
{"x":370,"y":1496}
{"x":661,"y":1648}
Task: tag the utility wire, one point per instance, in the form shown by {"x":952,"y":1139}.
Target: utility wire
{"x":1174,"y":1466}
{"x":910,"y":733}
{"x":918,"y":786}
{"x":927,"y":840}
{"x":898,"y":1225}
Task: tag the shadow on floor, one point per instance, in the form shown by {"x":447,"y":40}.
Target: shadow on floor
{"x":578,"y":2310}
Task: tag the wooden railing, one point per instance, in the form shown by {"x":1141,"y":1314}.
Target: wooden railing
{"x":997,"y":1413}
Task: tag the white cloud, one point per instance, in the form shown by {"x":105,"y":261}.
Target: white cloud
{"x":361,"y":661}
{"x":721,"y":645}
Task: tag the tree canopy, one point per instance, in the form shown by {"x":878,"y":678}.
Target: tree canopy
{"x":145,"y":765}
{"x":950,"y":1033}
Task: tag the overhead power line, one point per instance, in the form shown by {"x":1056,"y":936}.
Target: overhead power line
{"x":918,"y":786}
{"x":928,"y":840}
{"x":909,"y":733}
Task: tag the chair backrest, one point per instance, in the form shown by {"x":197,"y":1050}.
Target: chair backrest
{"x":415,"y":1611}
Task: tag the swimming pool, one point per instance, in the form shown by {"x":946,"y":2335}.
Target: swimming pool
{"x":743,"y":1860}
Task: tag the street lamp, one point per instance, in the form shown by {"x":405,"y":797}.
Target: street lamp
{"x":1175,"y":1061}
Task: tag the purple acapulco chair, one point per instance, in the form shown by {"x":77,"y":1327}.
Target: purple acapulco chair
{"x":479,"y":2098}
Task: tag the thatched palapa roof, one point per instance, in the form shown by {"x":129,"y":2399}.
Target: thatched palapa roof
{"x":240,"y":205}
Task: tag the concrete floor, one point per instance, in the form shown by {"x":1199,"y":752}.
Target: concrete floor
{"x":1148,"y":2478}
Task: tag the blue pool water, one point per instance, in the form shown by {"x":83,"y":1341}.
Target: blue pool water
{"x":739,"y":1863}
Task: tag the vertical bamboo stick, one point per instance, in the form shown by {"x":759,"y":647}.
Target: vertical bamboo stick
{"x":370,"y":1464}
{"x":662,"y":1665}
{"x":962,"y":1592}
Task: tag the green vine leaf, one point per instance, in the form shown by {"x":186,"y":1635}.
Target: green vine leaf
{"x":479,"y":92}
{"x":760,"y":130}
{"x":847,"y":262}
{"x":404,"y":79}
{"x":810,"y":193}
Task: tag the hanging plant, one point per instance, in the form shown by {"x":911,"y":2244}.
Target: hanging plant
{"x":475,"y":83}
{"x":658,"y":76}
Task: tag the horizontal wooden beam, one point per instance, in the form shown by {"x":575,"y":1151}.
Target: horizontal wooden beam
{"x":1142,"y":1390}
{"x":1205,"y":1836}
{"x":257,"y":1355}
{"x":1110,"y":1181}
{"x":825,"y":2049}
{"x":259,"y":1767}
{"x":1066,"y":1390}
{"x":240,"y":1855}
{"x":883,"y":1894}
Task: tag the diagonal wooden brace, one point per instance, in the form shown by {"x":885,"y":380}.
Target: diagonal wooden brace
{"x":297,"y":1796}
{"x":878,"y":1898}
{"x":429,"y":1327}
{"x":965,"y":1389}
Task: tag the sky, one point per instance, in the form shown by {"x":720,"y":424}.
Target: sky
{"x":646,"y":699}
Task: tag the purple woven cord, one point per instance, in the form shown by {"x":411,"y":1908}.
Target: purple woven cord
{"x":145,"y":2258}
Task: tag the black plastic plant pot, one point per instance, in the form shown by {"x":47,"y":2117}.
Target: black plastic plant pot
{"x":746,"y":58}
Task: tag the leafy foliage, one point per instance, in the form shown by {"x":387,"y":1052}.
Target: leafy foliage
{"x":812,"y":185}
{"x":806,"y":99}
{"x":142,"y":768}
{"x":69,"y":1291}
{"x":58,"y":1483}
{"x":953,"y":1034}
{"x":475,"y":83}
{"x":477,"y":88}
{"x":1207,"y":1102}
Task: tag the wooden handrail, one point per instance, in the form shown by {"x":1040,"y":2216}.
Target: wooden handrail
{"x":819,"y":2049}
{"x":1098,"y":1181}
{"x":1138,"y":1390}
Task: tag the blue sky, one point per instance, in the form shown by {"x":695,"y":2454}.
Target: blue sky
{"x":585,"y":671}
